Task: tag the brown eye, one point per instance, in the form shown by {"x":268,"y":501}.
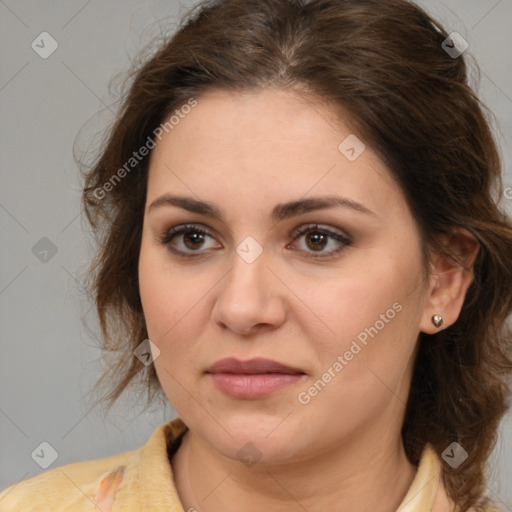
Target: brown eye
{"x":193,"y":240}
{"x":188,"y":240}
{"x":317,"y":238}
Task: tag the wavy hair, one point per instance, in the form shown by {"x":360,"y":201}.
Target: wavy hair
{"x":382,"y":62}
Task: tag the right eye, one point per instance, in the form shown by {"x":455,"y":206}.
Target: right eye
{"x":191,"y":238}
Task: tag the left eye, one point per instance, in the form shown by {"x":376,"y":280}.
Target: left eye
{"x":192,"y":238}
{"x":317,"y":239}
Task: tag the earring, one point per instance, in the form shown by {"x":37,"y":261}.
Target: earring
{"x":437,"y":320}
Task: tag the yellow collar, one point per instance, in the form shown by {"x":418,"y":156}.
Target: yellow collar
{"x":149,"y":483}
{"x":422,"y":492}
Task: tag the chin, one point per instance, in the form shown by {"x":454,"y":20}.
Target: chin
{"x":254,"y":438}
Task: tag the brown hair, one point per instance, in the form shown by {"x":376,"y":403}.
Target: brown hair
{"x":383,"y":62}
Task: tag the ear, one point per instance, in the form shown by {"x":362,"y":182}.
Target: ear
{"x":449,"y":280}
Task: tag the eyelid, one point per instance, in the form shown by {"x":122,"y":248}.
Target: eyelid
{"x":170,"y":233}
{"x":341,"y":237}
{"x":304,"y":228}
{"x":333,"y":233}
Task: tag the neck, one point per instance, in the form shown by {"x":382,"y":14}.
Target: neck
{"x":372,"y":473}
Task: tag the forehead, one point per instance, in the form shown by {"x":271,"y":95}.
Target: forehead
{"x":270,"y":145}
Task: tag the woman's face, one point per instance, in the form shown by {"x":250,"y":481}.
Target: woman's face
{"x":267,"y":270}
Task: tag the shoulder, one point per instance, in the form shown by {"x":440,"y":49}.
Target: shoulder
{"x":133,"y":479}
{"x":69,"y":487}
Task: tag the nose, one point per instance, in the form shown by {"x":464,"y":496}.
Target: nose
{"x":250,"y":297}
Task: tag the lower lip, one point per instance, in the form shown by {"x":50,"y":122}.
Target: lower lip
{"x":255,"y":386}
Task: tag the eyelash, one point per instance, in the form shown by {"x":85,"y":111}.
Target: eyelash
{"x":167,"y":237}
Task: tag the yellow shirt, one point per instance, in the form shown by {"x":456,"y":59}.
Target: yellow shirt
{"x":141,"y":480}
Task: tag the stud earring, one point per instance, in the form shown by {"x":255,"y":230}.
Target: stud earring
{"x":437,"y":320}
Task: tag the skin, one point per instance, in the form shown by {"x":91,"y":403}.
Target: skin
{"x":246,"y":152}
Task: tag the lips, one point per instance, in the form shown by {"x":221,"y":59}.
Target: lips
{"x":254,"y":379}
{"x":251,"y":367}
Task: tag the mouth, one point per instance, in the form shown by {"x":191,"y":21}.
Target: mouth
{"x":252,"y":367}
{"x":253,"y":379}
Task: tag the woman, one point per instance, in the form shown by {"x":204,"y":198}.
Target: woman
{"x":300,"y":246}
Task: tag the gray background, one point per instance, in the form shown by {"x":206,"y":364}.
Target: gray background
{"x":48,"y":359}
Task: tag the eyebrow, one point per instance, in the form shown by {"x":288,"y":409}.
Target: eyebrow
{"x":280,"y":211}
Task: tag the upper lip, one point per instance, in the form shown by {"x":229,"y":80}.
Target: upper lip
{"x":257,"y":365}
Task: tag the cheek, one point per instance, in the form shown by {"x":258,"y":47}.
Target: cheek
{"x":372,"y":318}
{"x":169,"y":297}
{"x":176,"y":304}
{"x":363,"y":368}
{"x":171,"y":304}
